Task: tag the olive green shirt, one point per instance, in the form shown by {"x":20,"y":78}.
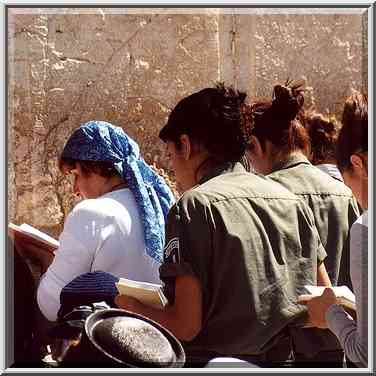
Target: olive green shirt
{"x":335,"y":210}
{"x":252,"y":245}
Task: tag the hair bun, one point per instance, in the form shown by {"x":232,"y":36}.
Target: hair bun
{"x":319,"y":123}
{"x":330,"y":126}
{"x":287,"y":100}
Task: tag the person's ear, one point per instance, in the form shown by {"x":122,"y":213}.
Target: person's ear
{"x":255,"y":146}
{"x":77,"y":168}
{"x":358,"y":164}
{"x":186,"y":146}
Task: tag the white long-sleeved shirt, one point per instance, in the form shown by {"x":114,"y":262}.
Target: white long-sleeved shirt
{"x":104,"y":234}
{"x":353,"y":335}
{"x":331,"y":170}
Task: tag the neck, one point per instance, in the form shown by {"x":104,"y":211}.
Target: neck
{"x":118,"y":186}
{"x":281,"y":158}
{"x":112,"y":184}
{"x":205,"y":167}
{"x":294,"y":153}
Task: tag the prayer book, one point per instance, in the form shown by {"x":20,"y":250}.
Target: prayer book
{"x":345,"y":296}
{"x":149,"y":294}
{"x":30,"y":234}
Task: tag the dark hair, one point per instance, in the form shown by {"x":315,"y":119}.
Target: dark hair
{"x":323,"y":133}
{"x":213,"y":118}
{"x":353,"y":137}
{"x":102,"y":168}
{"x":276,"y":120}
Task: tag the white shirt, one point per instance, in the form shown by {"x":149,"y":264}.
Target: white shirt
{"x":353,"y":335}
{"x":331,"y":170}
{"x":104,"y":234}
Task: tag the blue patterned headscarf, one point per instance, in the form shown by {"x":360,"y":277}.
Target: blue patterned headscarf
{"x":102,"y":141}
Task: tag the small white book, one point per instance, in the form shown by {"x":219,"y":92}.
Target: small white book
{"x":345,"y":296}
{"x":147,"y":293}
{"x":33,"y":235}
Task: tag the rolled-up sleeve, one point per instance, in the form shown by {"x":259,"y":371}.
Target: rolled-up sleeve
{"x":188,"y":244}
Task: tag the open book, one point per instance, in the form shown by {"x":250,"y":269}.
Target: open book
{"x":30,"y":234}
{"x":147,"y":293}
{"x":344,"y":295}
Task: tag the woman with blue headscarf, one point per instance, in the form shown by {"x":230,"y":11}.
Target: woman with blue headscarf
{"x":119,"y":226}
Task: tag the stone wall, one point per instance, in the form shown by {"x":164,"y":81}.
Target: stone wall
{"x":130,"y":66}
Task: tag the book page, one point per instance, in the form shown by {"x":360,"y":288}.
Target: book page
{"x":346,"y":297}
{"x":139,"y":284}
{"x":147,"y":293}
{"x":37,"y":251}
{"x":39,"y":234}
{"x":340,"y":291}
{"x":29,"y":234}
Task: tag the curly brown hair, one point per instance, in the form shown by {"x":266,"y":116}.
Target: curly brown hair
{"x":353,"y":137}
{"x":323,"y":133}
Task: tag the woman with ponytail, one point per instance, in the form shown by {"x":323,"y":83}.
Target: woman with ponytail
{"x":233,"y":242}
{"x":278,"y":146}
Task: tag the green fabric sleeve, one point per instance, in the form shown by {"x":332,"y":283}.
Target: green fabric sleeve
{"x":175,"y":260}
{"x":188,"y":242}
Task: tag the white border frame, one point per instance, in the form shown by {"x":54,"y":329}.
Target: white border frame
{"x":198,"y":3}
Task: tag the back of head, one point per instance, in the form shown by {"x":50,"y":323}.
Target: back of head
{"x":353,"y":137}
{"x":277,"y":120}
{"x":211,"y":117}
{"x":323,"y":133}
{"x":97,"y":146}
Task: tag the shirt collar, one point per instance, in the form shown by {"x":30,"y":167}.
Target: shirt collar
{"x":222,"y":169}
{"x":292,"y":161}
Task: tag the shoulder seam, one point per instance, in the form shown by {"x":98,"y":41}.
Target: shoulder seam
{"x":324,"y":194}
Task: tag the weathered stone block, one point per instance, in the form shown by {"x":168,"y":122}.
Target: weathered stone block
{"x":131,"y":66}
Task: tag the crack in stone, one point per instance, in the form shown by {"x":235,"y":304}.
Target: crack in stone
{"x":77,"y":60}
{"x":108,"y":63}
{"x":60,"y":199}
{"x":27,"y":31}
{"x":194,"y":32}
{"x":54,"y":180}
{"x":188,"y":53}
{"x":50,"y":130}
{"x":156,"y":100}
{"x":233,"y":32}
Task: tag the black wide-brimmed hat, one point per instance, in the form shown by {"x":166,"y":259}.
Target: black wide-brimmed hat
{"x":111,"y":336}
{"x":132,"y":340}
